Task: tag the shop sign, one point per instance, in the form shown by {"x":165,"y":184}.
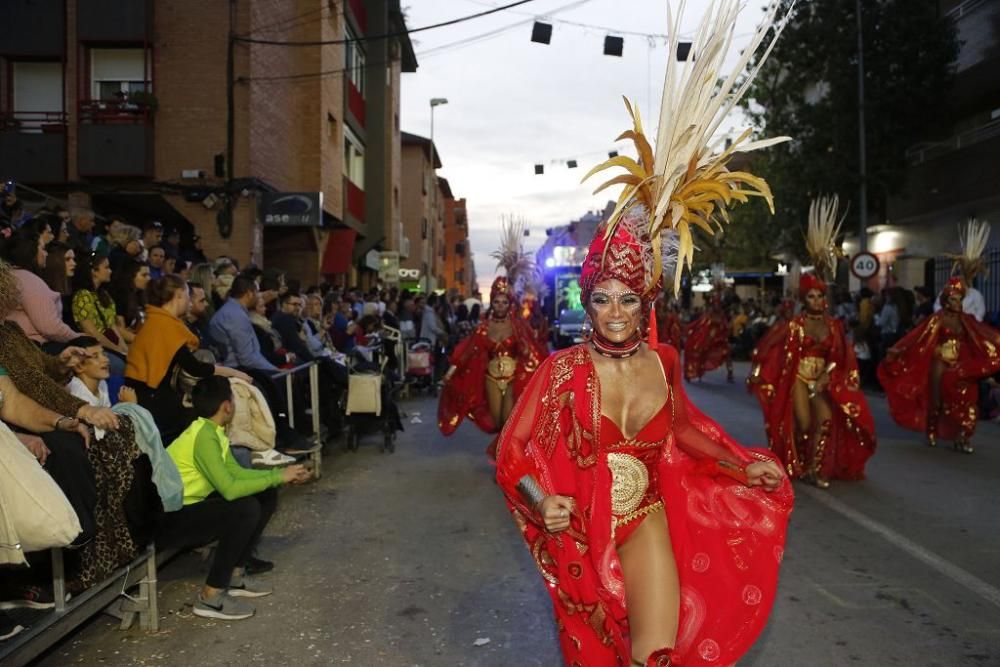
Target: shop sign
{"x":292,"y":209}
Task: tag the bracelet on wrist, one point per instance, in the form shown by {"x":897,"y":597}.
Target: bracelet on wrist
{"x":57,"y":425}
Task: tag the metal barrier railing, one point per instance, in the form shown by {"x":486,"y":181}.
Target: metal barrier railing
{"x":316,"y":455}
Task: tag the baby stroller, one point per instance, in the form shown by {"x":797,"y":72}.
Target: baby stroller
{"x":420,"y":366}
{"x":372,"y":392}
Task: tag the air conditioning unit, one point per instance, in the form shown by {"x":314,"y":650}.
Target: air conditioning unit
{"x":404,"y":247}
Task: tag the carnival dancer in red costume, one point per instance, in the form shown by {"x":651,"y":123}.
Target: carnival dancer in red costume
{"x":706,"y":343}
{"x":931,"y":376}
{"x":658,"y":536}
{"x":805,"y":376}
{"x":668,"y":322}
{"x":806,"y":379}
{"x":490,"y":368}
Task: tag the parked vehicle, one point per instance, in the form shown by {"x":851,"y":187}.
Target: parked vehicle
{"x":568,"y":329}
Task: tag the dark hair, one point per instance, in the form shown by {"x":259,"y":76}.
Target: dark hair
{"x":84,"y":341}
{"x":128,"y":300}
{"x":209,"y":395}
{"x":368,"y":322}
{"x":22,"y":251}
{"x":54,"y":273}
{"x":475,"y":313}
{"x":241,"y":286}
{"x":432,"y":299}
{"x":287,"y":296}
{"x":82,"y":280}
{"x":162,"y":290}
{"x":194,"y":285}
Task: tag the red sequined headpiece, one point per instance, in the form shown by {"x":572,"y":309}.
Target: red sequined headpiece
{"x":626,"y":256}
{"x":501,"y":286}
{"x":954,"y":285}
{"x":810,"y":281}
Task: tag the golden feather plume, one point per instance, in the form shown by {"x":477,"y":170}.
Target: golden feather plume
{"x":973,"y":237}
{"x":510,"y":256}
{"x":683,"y":181}
{"x":821,"y":235}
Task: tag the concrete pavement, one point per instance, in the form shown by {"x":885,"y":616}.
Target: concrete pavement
{"x":412,"y":559}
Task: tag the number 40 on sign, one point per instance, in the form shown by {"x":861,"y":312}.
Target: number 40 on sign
{"x":864,"y":265}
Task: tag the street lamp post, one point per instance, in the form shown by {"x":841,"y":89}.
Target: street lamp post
{"x":862,"y":166}
{"x":435,"y":101}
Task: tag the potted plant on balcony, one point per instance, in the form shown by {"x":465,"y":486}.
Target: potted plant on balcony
{"x":144,"y":101}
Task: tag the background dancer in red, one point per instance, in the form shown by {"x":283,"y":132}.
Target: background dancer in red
{"x":668,"y":322}
{"x":490,"y":368}
{"x":931,"y":377}
{"x":706,"y":343}
{"x":659,"y":538}
{"x":806,"y":377}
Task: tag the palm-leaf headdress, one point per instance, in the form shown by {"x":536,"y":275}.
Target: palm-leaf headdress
{"x":821,"y":236}
{"x":683,"y":180}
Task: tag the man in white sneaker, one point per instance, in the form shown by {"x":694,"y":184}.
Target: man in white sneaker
{"x":222,"y":501}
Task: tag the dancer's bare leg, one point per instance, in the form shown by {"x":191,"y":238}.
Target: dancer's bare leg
{"x":494,"y":402}
{"x":506,"y":407}
{"x":652,"y":588}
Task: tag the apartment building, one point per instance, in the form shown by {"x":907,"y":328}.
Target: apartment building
{"x":422,"y":267}
{"x":956,"y":177}
{"x":459,"y":270}
{"x":149,"y":110}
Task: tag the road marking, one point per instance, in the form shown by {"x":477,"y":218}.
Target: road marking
{"x":947,"y":568}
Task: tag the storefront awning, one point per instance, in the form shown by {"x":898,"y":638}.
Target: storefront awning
{"x":337,"y":257}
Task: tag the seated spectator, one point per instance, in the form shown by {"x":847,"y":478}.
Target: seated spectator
{"x":203,"y":275}
{"x":39,"y":310}
{"x":193,"y":252}
{"x":90,"y":375}
{"x":231,"y":326}
{"x":81,"y":230}
{"x":157,"y":260}
{"x":344,"y":328}
{"x":161,"y":365}
{"x":152,"y":235}
{"x":94,"y":310}
{"x":126,"y":244}
{"x":223,"y":284}
{"x":128,"y":289}
{"x":270,"y":340}
{"x":222,"y":501}
{"x":196,"y":317}
{"x":101,"y":498}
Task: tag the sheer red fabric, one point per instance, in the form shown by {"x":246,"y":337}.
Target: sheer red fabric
{"x":670,"y":329}
{"x":706,"y":346}
{"x":465,"y":394}
{"x":728,"y":539}
{"x":906,"y":372}
{"x":775,"y":365}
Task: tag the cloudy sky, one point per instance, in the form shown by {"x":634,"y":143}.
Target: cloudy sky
{"x":513,"y":103}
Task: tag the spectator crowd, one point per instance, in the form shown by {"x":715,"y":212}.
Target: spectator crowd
{"x":139,"y":376}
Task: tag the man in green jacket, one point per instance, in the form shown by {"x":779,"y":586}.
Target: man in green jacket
{"x":222,"y":501}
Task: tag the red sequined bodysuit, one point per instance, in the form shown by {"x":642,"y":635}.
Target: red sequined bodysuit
{"x":633,"y":463}
{"x":815,"y":356}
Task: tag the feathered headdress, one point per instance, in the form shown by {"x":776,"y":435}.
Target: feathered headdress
{"x":821,"y":236}
{"x":973,"y":236}
{"x":685,"y":181}
{"x":518,"y":265}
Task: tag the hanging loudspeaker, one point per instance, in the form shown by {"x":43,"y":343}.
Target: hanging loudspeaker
{"x":539,"y":169}
{"x":612,"y":153}
{"x":541,"y":32}
{"x":683,"y":51}
{"x":571,"y":164}
{"x":613,"y":46}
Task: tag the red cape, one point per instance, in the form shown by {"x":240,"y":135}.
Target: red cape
{"x":775,"y":365}
{"x":728,"y":539}
{"x":905,"y":374}
{"x":706,"y":346}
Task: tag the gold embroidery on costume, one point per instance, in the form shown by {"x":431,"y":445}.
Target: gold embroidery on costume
{"x":629,"y":482}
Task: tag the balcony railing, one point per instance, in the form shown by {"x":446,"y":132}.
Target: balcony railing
{"x":33,"y":146}
{"x":116,"y":138}
{"x":33,"y":122}
{"x":355,"y":201}
{"x":933,"y":149}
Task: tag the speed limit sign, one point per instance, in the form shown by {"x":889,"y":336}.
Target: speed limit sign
{"x":864,"y":265}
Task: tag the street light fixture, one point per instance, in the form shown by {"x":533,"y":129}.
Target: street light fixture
{"x":435,"y":102}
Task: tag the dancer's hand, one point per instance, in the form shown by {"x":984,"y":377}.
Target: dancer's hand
{"x":555,"y":512}
{"x":822,"y":382}
{"x":765,"y":474}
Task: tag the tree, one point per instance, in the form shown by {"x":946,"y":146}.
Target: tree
{"x":808,"y":90}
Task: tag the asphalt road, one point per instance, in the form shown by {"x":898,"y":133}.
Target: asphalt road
{"x":411,"y":559}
